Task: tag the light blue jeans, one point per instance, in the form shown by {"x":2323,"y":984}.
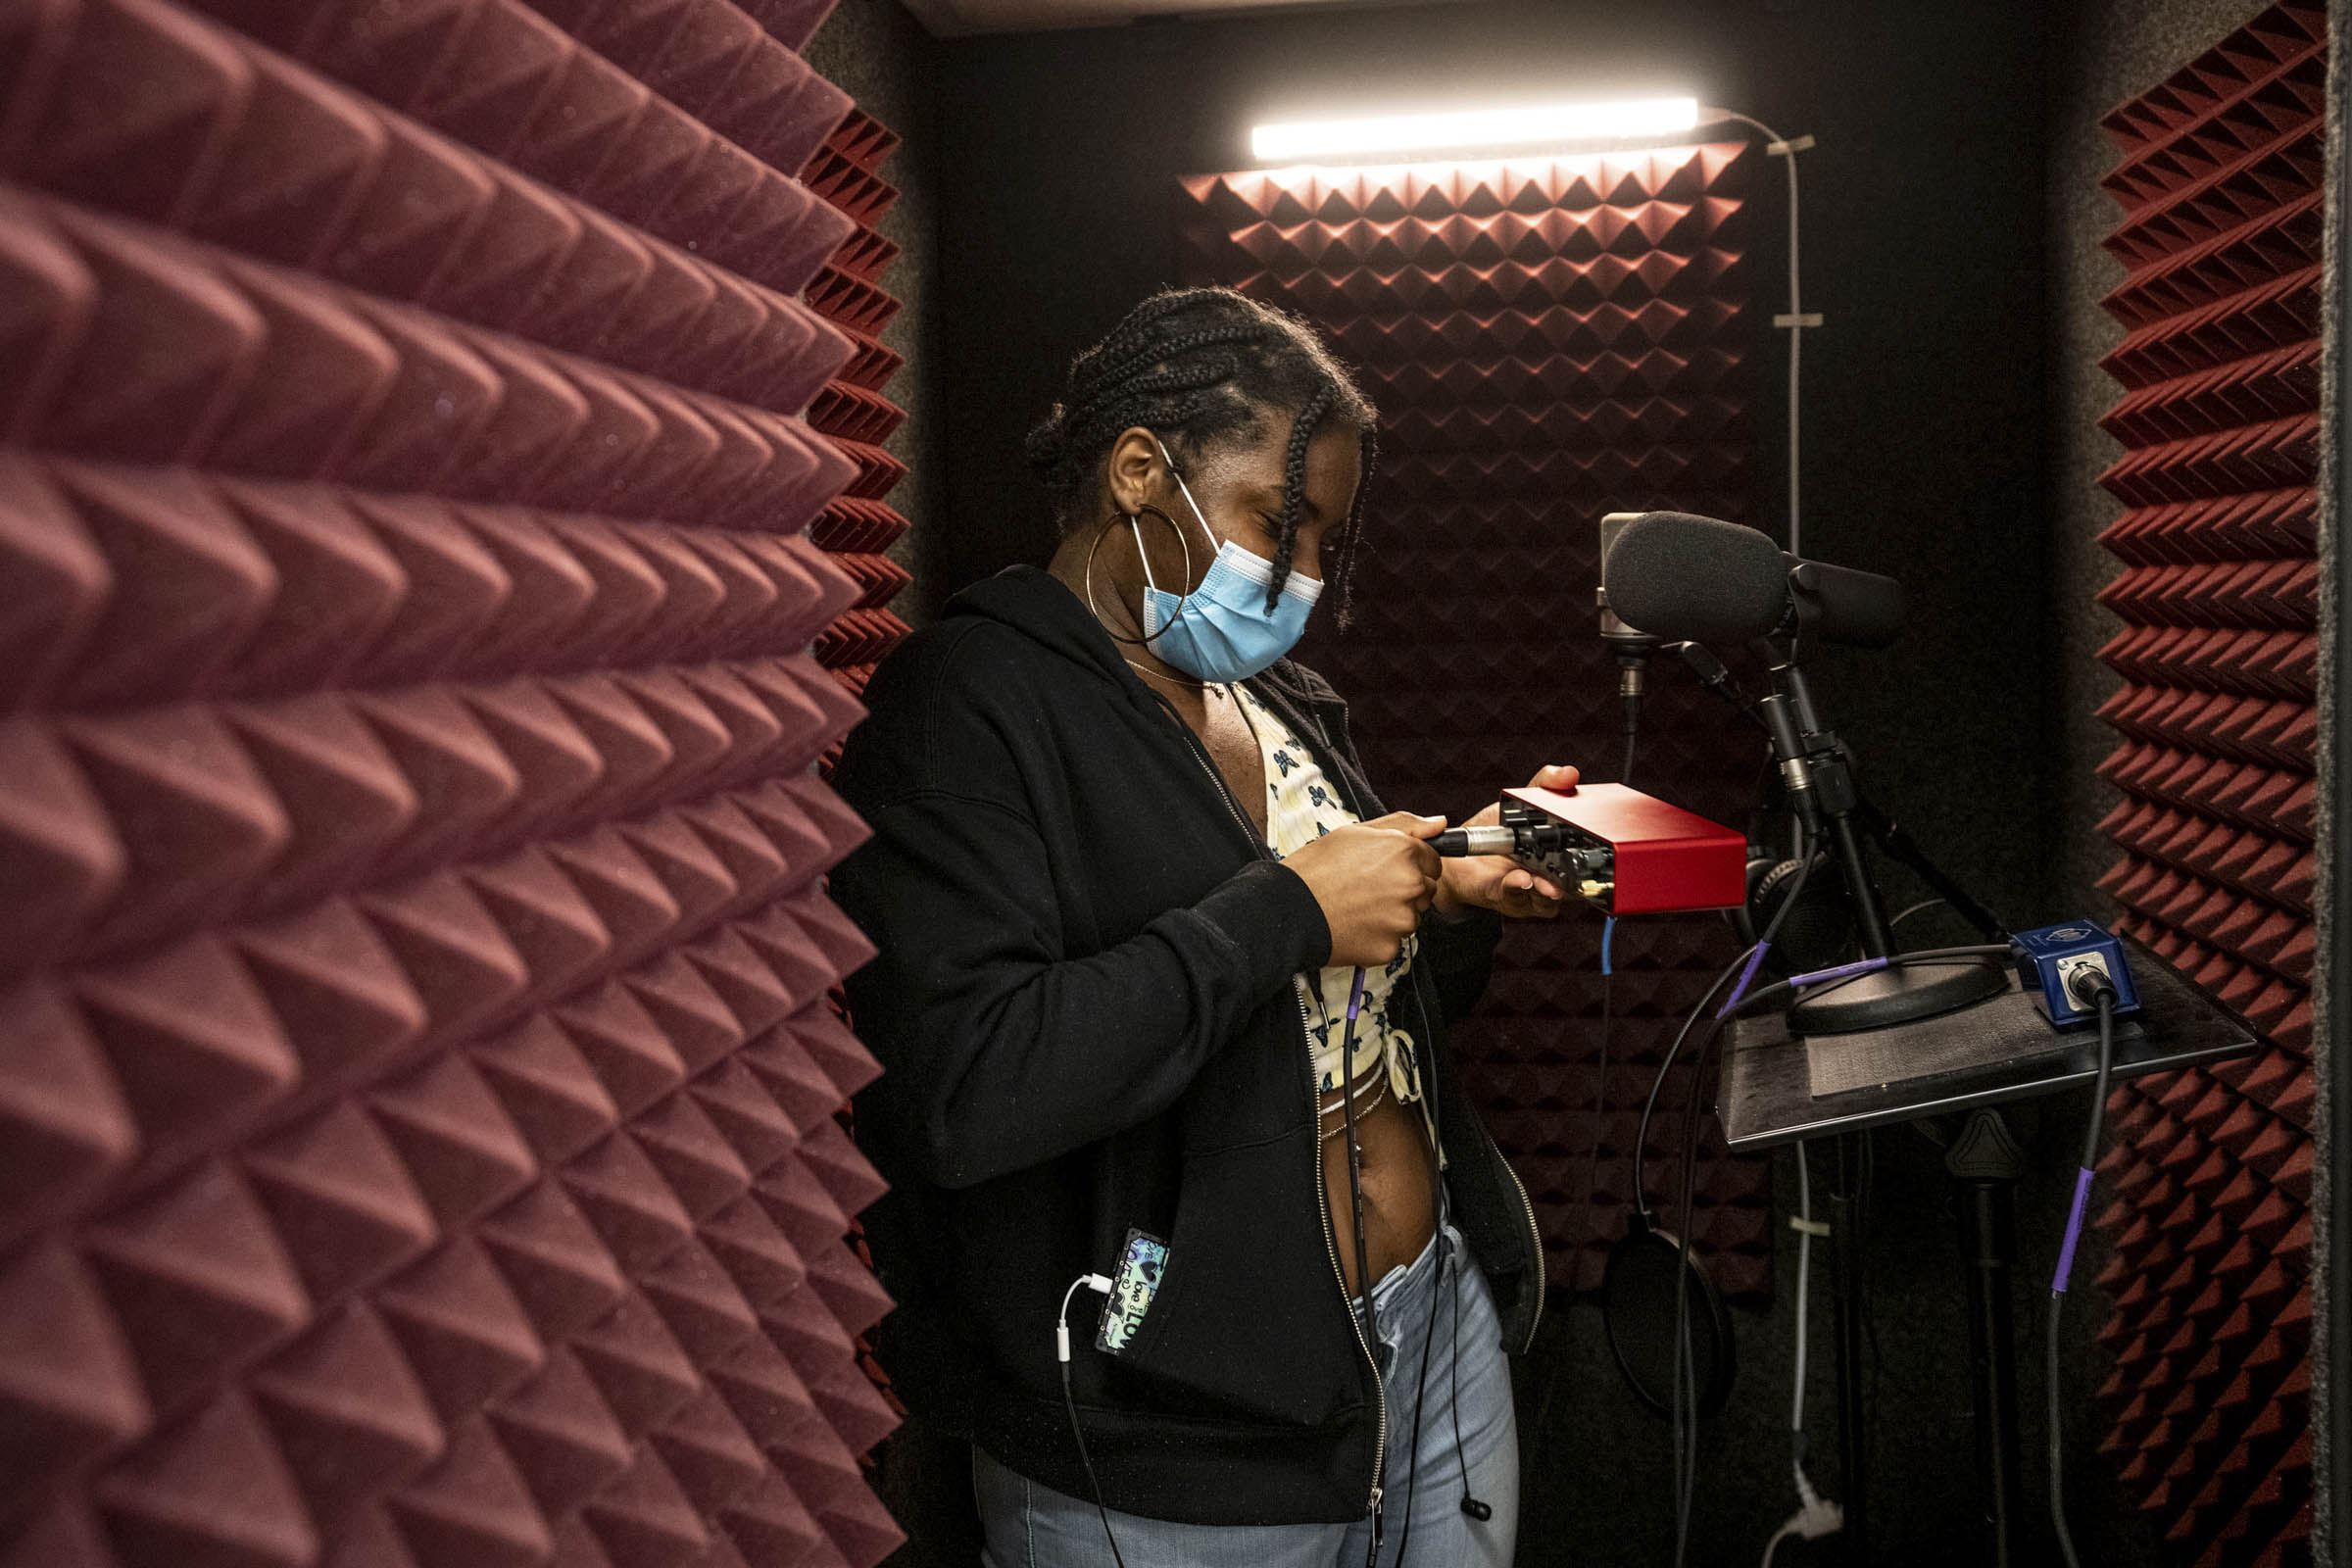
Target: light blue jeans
{"x":1031,"y":1526}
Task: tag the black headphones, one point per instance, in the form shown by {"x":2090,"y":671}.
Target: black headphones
{"x":1818,"y":933}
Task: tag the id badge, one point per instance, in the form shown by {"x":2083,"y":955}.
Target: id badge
{"x":1141,"y":1262}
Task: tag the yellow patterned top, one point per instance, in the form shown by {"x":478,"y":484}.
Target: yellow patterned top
{"x":1302,"y":806}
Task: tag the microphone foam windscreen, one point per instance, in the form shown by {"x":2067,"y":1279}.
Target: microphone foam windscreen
{"x":1700,"y":579}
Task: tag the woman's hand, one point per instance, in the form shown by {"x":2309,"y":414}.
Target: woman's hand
{"x":1496,"y":881}
{"x":1373,"y":879}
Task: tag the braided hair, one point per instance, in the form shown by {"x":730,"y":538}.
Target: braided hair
{"x":1200,"y":367}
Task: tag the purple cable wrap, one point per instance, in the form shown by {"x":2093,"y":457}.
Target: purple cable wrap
{"x":1841,"y":972}
{"x":1740,"y":991}
{"x":2074,"y":1233}
{"x":1355,"y":995}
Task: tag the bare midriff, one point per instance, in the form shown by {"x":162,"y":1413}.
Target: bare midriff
{"x":1397,"y":1176}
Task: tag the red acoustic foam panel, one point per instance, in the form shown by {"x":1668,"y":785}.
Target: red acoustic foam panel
{"x":1548,"y":341}
{"x":860,"y":525}
{"x":416,"y":1124}
{"x":2220,"y":195}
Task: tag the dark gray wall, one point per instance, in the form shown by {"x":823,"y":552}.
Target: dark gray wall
{"x":881,"y":56}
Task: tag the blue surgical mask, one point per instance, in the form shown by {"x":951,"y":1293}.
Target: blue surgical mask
{"x":1222,"y":630}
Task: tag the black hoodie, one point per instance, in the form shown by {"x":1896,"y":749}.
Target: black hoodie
{"x":1087,"y":1023}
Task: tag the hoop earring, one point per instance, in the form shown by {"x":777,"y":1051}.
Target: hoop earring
{"x":1096,"y":547}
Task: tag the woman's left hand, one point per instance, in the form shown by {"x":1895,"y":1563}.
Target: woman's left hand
{"x":1496,"y":881}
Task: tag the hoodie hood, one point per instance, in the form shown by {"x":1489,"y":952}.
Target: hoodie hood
{"x":1038,"y":604}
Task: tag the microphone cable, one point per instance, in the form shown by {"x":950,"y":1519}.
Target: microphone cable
{"x":1412,"y":1465}
{"x":1368,"y":1320}
{"x":1744,"y":966}
{"x":1741,"y":1000}
{"x":1685,"y":1379}
{"x":1600,"y":1072}
{"x":1631,"y":703}
{"x":2102,"y":992}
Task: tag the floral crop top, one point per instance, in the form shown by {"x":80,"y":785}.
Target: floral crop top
{"x":1302,"y":806}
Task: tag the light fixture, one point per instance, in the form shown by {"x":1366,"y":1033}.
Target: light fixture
{"x":1474,"y":128}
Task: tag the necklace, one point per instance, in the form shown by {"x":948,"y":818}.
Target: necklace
{"x":1173,"y":681}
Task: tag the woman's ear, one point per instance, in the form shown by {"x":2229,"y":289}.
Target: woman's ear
{"x":1135,"y":468}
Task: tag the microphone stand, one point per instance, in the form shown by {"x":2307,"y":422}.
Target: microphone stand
{"x":1896,"y":840}
{"x":1817,"y":774}
{"x":1890,"y":836}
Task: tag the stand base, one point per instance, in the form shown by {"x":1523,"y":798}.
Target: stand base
{"x":1888,"y":997}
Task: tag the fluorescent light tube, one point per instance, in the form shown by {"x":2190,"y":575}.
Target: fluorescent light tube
{"x":1474,"y":128}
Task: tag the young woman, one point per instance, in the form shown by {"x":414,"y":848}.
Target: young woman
{"x":1160,"y":1003}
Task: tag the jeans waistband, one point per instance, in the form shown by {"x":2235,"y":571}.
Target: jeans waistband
{"x":1408,"y":1276}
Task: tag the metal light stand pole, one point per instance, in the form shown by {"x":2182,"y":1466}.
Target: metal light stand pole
{"x":1819,"y":786}
{"x":1846,"y":1299}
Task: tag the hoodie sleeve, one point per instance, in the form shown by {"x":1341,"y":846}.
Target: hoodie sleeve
{"x":1001,"y":1049}
{"x":1460,"y":951}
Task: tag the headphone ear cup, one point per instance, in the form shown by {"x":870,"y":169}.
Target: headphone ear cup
{"x":1748,"y":919}
{"x":1818,"y":932}
{"x":1764,"y":893}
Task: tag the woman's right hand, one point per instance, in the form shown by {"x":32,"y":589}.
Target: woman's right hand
{"x":1373,"y":880}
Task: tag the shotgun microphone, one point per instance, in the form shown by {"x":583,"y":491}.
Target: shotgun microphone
{"x":1681,"y":577}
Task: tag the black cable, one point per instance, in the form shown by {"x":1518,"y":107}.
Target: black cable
{"x":2098,"y":1104}
{"x":2105,"y":996}
{"x":1674,"y":1401}
{"x":1600,"y":1073}
{"x":1686,"y":1356}
{"x":1859,"y":1217}
{"x":1859,"y":1198}
{"x":1476,"y":1509}
{"x":1412,"y":1465}
{"x":1739,"y":1004}
{"x":1649,"y":1105}
{"x":1601,"y":1110}
{"x":1630,"y":704}
{"x":1369,"y":1316}
{"x":1071,"y":1404}
{"x":1684,"y":1399}
{"x":2066,"y":1541}
{"x":1826,"y":987}
{"x":1451,"y":1283}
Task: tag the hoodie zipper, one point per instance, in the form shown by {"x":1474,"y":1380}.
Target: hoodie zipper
{"x":1331,"y":1241}
{"x":1527,"y":1207}
{"x":1535,"y":1236}
{"x":1331,"y":1249}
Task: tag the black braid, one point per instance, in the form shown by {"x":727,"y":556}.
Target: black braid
{"x":1352,"y":535}
{"x":1200,"y":367}
{"x":1294,"y":485}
